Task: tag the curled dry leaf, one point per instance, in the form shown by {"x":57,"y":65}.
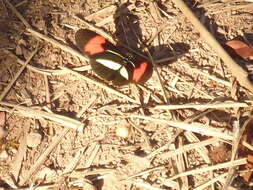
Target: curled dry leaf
{"x":241,"y":49}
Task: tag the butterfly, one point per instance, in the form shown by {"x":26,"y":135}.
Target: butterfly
{"x":108,"y":62}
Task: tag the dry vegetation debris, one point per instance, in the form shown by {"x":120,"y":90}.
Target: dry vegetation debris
{"x":62,"y":127}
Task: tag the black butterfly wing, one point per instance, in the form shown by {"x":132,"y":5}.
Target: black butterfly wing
{"x":111,"y":67}
{"x":91,"y":43}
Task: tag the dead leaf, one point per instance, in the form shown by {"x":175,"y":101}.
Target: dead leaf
{"x":250,"y":158}
{"x":247,"y":175}
{"x":240,"y":48}
{"x":236,"y":44}
{"x":219,"y":154}
{"x":2,"y":118}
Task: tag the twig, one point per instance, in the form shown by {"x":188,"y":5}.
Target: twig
{"x":164,"y":147}
{"x":78,"y":173}
{"x":210,"y":168}
{"x":74,"y":161}
{"x":48,"y":72}
{"x":7,"y":88}
{"x":143,"y":185}
{"x":147,"y":145}
{"x":236,"y":70}
{"x":21,"y":3}
{"x":87,"y":106}
{"x":91,"y":153}
{"x":247,"y":145}
{"x":207,"y":95}
{"x":166,"y":59}
{"x":160,"y":29}
{"x":166,"y":99}
{"x":17,"y":163}
{"x":59,"y":45}
{"x":39,"y":187}
{"x":203,"y":151}
{"x":229,"y":8}
{"x":166,"y":14}
{"x":193,"y":127}
{"x":96,"y":29}
{"x":143,"y":172}
{"x":213,"y":105}
{"x":245,"y":171}
{"x":32,"y":113}
{"x":44,"y":156}
{"x":18,"y":14}
{"x":238,"y":135}
{"x":118,"y":93}
{"x":187,"y":148}
{"x":47,"y":91}
{"x":188,"y":120}
{"x":181,"y":167}
{"x":209,"y":3}
{"x":210,"y":182}
{"x":212,"y":77}
{"x":101,"y":11}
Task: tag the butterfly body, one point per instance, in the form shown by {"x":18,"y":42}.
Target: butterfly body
{"x":108,"y":62}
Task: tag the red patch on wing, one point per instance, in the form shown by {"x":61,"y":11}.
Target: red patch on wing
{"x":139,"y":71}
{"x":94,"y":45}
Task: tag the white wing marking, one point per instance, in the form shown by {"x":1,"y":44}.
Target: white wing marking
{"x":124,"y":73}
{"x":109,"y":64}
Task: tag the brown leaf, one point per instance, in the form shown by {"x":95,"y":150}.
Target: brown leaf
{"x":2,"y":118}
{"x":250,"y":158}
{"x":242,"y":49}
{"x":236,"y":44}
{"x":219,"y":154}
{"x":247,"y":175}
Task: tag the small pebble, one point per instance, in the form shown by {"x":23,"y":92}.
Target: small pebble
{"x":3,"y":155}
{"x":123,"y":131}
{"x":33,"y":139}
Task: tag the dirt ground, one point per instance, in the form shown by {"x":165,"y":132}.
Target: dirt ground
{"x":62,"y":127}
